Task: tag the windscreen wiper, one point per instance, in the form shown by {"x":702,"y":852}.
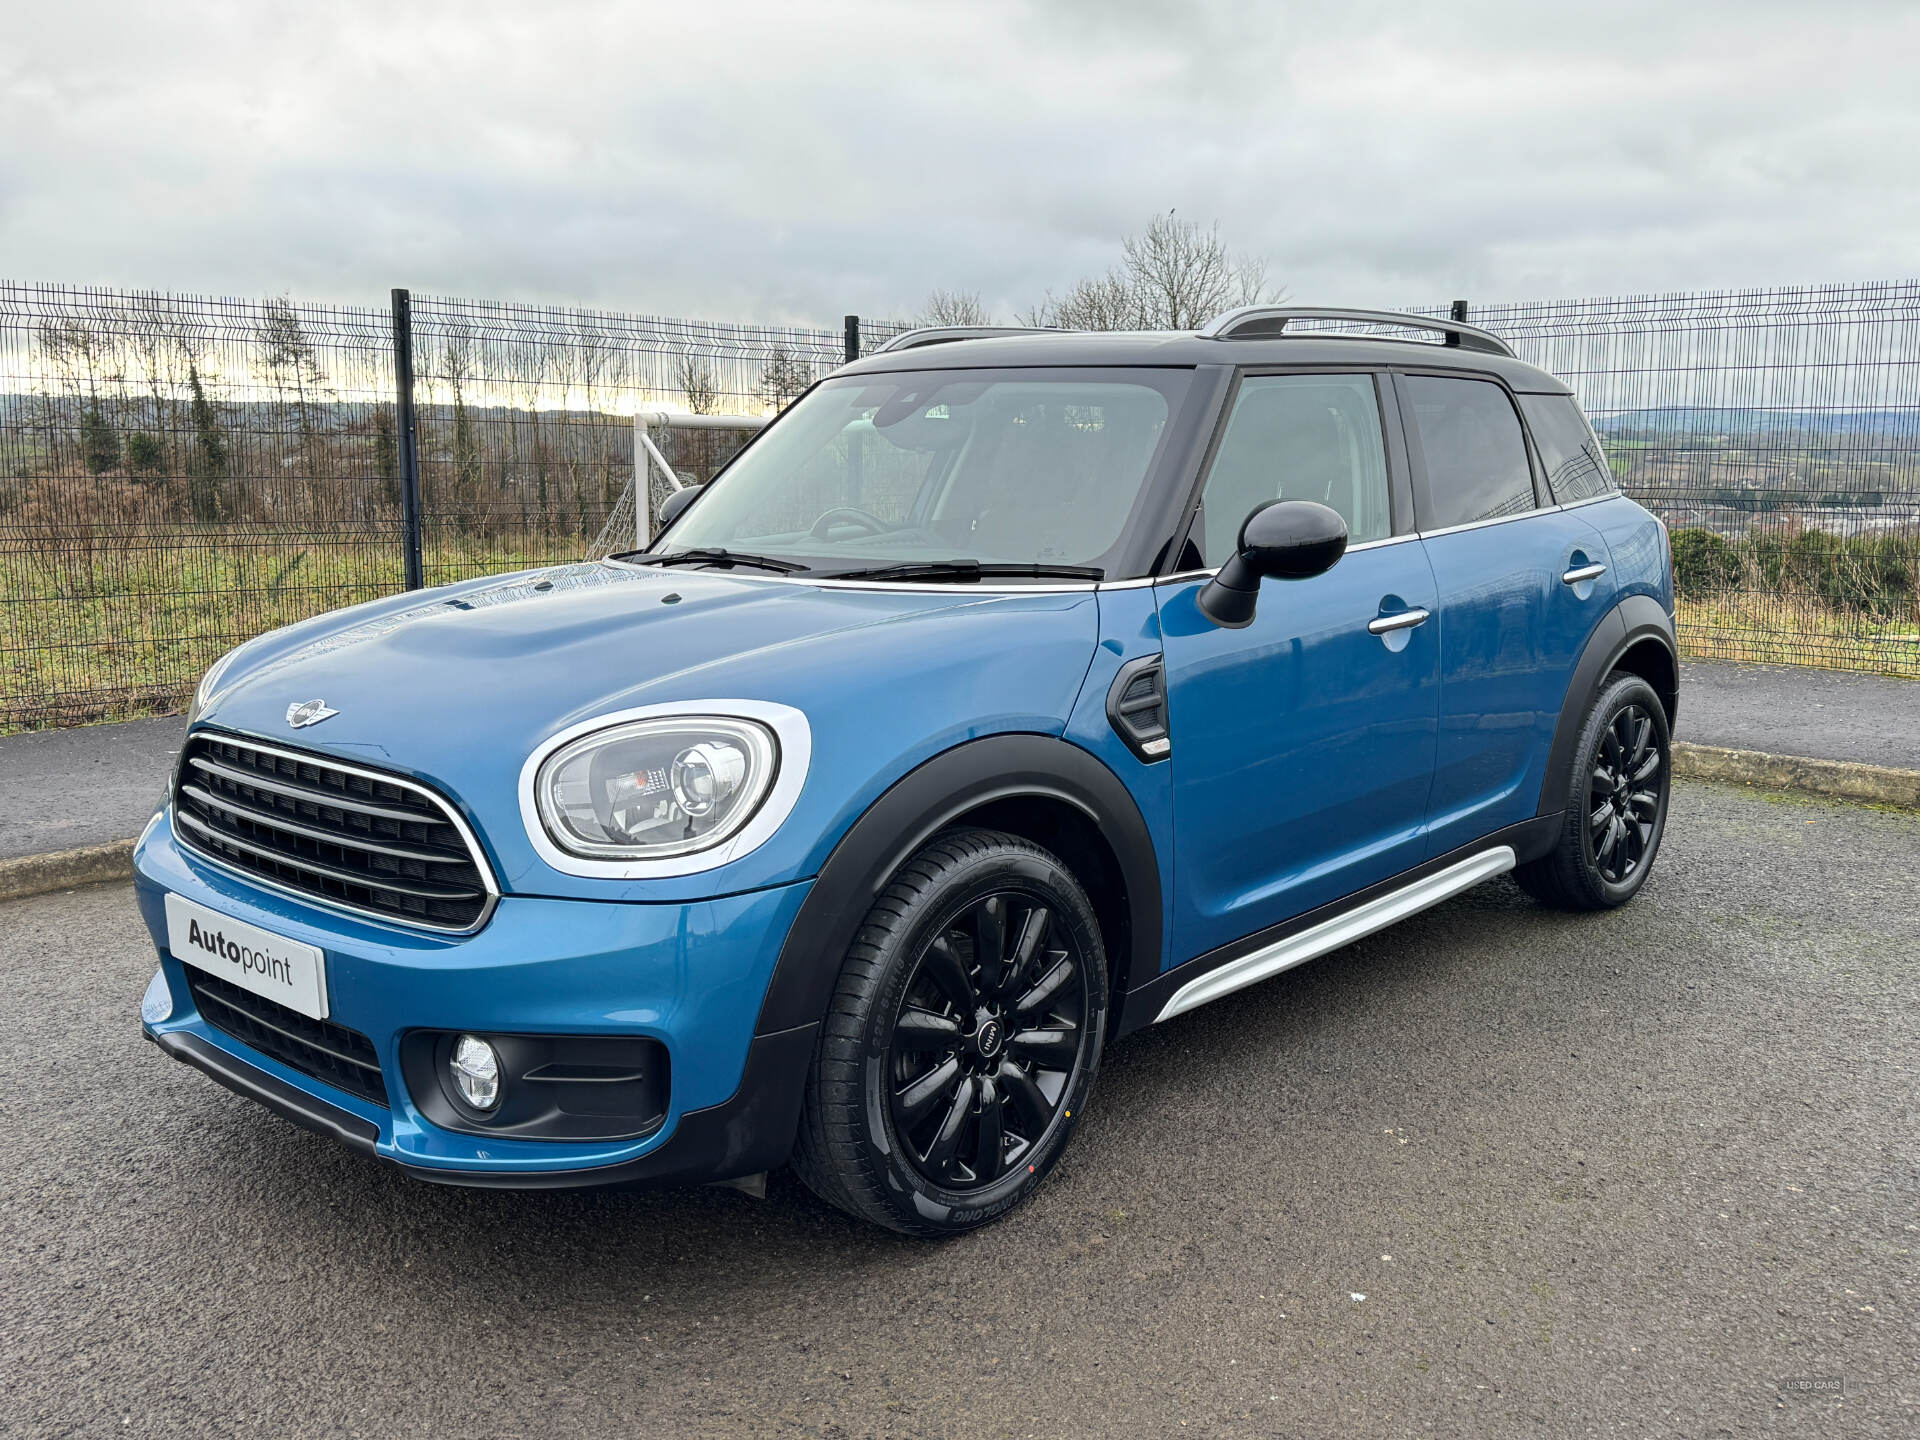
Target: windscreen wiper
{"x":969,"y":570}
{"x":726,"y":559}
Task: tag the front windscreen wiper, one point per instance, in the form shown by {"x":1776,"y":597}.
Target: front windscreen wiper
{"x":726,"y":559}
{"x":969,"y":570}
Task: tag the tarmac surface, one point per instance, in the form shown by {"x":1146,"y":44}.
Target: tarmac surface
{"x":60,"y":789}
{"x":1796,"y":710}
{"x":1495,"y":1172}
{"x":97,"y":783}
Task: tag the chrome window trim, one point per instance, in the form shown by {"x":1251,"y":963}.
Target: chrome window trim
{"x":1521,"y":515}
{"x":793,"y":759}
{"x":384,"y":777}
{"x":1485,"y":524}
{"x":1209,"y":574}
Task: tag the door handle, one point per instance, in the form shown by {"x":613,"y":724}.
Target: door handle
{"x":1405,"y":620}
{"x":1583,"y":572}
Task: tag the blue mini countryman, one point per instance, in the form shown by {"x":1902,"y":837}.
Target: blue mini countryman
{"x":1010,"y":692}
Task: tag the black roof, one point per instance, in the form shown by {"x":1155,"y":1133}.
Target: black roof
{"x":1186,"y":348}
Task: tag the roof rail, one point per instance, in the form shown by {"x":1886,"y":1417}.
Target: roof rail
{"x":1269,"y":322}
{"x":941,"y":334}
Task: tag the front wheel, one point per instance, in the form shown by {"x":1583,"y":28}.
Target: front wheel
{"x":1616,"y":804}
{"x":962,"y":1039}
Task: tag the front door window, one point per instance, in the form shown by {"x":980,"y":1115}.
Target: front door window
{"x":1297,"y":437}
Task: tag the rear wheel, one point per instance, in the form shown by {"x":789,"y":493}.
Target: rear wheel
{"x":1616,"y":803}
{"x":961,"y":1041}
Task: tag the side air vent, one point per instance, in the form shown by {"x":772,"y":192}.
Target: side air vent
{"x":1137,"y":707}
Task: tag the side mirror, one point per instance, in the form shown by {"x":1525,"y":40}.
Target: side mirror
{"x":671,"y":507}
{"x":1281,"y":540}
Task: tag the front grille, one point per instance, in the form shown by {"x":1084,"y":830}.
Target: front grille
{"x":378,"y":844}
{"x":341,"y":1057}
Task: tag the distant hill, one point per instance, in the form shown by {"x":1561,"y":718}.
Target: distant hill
{"x":1708,"y":420}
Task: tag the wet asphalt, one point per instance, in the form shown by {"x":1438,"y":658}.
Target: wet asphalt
{"x":1497,"y":1172}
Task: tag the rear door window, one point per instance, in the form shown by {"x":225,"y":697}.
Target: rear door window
{"x":1476,"y":453}
{"x":1576,"y":467}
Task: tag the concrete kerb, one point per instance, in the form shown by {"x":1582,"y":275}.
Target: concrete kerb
{"x":1795,"y":774}
{"x":1791,"y":774}
{"x":64,"y":869}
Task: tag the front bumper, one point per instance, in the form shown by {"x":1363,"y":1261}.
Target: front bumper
{"x":691,"y":976}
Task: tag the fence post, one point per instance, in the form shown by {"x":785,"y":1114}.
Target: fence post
{"x":642,"y":484}
{"x":853,"y":339}
{"x":409,"y":441}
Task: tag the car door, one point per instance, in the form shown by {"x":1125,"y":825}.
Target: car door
{"x":1522,"y":584}
{"x":1303,"y":744}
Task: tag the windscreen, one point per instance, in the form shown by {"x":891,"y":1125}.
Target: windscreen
{"x":1042,"y":467}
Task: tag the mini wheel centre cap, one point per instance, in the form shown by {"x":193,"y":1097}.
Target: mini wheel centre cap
{"x":988,"y":1039}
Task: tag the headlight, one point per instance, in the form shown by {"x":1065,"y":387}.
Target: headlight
{"x":205,"y":688}
{"x":656,"y":788}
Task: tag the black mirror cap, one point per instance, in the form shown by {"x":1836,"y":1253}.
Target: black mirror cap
{"x":671,"y":507}
{"x":1293,"y":539}
{"x":1282,"y":540}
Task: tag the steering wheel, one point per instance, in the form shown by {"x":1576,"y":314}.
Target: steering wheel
{"x":866,"y":519}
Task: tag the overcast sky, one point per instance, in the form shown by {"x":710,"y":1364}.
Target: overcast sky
{"x":784,"y":161}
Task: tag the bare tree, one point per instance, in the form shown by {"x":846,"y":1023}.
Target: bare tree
{"x":1184,"y":275}
{"x":290,"y":361}
{"x":784,"y":376}
{"x":1104,"y":302}
{"x":695,"y":377}
{"x":954,"y":307}
{"x":694,"y":374}
{"x":1174,"y":275}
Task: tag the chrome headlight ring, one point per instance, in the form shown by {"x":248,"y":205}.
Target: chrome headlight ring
{"x":664,"y":790}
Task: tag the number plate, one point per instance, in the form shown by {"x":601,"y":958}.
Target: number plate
{"x":283,"y":970}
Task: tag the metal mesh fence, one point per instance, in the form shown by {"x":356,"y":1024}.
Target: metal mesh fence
{"x":1778,"y":434}
{"x":179,"y":473}
{"x":526,"y":417}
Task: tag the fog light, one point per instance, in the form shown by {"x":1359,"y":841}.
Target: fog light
{"x":476,"y":1072}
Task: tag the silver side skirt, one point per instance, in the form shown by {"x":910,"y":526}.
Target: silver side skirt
{"x":1376,"y":914}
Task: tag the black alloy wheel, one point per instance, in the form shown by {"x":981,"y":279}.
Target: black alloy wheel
{"x":961,"y":1041}
{"x":989,"y":1032}
{"x":1616,"y":811}
{"x":1625,"y":793}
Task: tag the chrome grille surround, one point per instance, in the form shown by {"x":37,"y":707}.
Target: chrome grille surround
{"x":367,"y":842}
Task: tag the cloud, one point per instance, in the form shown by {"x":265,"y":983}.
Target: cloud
{"x":778,"y":162}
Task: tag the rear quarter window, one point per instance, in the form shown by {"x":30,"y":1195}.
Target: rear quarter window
{"x":1576,"y":467}
{"x":1476,"y":453}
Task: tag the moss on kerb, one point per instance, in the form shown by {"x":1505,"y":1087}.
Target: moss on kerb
{"x":1794,"y":774}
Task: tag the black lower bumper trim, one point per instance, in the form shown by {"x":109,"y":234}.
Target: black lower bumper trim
{"x":752,"y":1131}
{"x":278,"y":1096}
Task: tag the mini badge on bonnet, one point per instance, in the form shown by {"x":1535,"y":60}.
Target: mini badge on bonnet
{"x":308,"y":712}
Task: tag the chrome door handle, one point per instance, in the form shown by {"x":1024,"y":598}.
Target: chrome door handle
{"x":1405,"y":620}
{"x":1584,"y":572}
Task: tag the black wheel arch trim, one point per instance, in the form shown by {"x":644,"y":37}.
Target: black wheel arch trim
{"x":1636,"y":619}
{"x":924,"y":802}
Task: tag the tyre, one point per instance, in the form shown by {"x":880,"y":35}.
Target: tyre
{"x":961,"y":1040}
{"x":1616,"y":803}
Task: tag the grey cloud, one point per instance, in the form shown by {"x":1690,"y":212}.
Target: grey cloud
{"x":779,"y":162}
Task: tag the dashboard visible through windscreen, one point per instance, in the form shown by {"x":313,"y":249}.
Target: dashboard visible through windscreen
{"x":1040,"y":467}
